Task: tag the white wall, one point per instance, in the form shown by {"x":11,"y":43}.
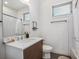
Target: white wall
{"x":34,"y":10}
{"x":55,"y":34}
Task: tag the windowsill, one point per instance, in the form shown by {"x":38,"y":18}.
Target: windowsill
{"x":61,"y":16}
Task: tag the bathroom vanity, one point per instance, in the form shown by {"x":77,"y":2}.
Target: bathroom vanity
{"x":25,"y":49}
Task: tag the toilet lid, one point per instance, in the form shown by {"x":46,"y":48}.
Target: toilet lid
{"x":47,"y":48}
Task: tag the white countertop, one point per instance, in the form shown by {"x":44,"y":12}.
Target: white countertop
{"x":25,"y":43}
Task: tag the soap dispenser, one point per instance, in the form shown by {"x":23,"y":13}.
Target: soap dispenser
{"x":27,"y":34}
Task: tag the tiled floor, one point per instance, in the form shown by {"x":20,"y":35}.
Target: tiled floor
{"x":55,"y":56}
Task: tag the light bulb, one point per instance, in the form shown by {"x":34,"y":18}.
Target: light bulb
{"x":6,"y":2}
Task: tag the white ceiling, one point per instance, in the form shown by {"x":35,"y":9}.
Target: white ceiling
{"x":15,"y":4}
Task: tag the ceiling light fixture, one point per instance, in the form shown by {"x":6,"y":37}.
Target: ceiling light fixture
{"x":6,"y":2}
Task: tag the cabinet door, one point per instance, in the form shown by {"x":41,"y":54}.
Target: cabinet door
{"x":34,"y":52}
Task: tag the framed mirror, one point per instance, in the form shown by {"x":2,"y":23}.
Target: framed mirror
{"x":13,"y":11}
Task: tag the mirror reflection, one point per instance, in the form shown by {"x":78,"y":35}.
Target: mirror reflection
{"x":15,"y":16}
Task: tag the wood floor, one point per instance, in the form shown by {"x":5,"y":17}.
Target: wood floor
{"x":55,"y":56}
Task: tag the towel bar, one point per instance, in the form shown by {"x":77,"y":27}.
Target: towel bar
{"x":58,"y":21}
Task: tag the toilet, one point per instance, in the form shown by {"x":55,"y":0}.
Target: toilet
{"x":47,"y":49}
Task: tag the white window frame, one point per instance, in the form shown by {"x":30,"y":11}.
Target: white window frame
{"x":60,"y":5}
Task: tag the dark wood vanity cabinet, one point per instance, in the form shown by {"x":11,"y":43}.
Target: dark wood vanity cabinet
{"x":34,"y":52}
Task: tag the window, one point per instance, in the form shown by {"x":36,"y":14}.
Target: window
{"x":62,"y":9}
{"x":26,"y":18}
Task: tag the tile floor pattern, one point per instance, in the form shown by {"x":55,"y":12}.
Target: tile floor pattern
{"x":57,"y":56}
